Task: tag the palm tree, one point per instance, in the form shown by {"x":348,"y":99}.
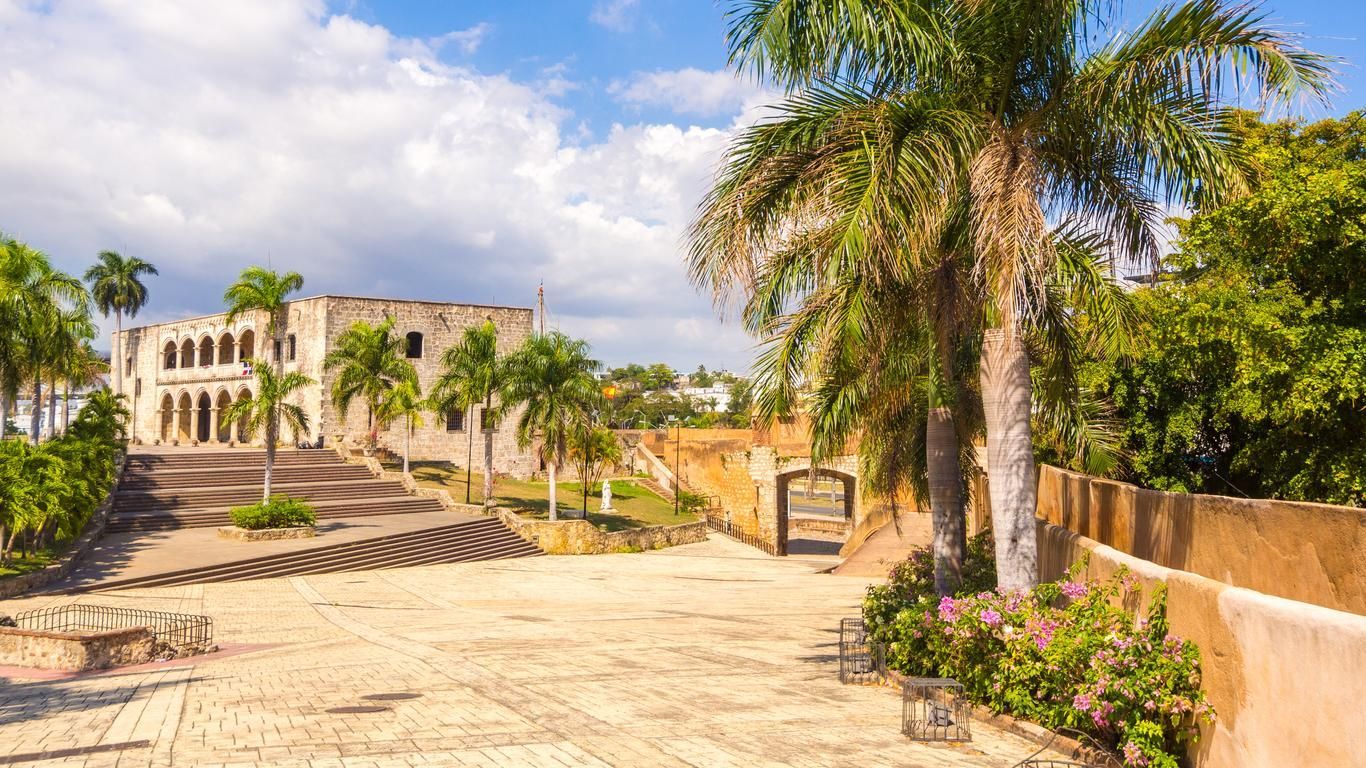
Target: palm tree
{"x":116,"y":286}
{"x":903,"y":113}
{"x":268,"y":410}
{"x":473,"y":372}
{"x":43,"y":308}
{"x":552,"y":376}
{"x":81,"y":366}
{"x":265,"y":290}
{"x":404,"y":401}
{"x":369,"y":361}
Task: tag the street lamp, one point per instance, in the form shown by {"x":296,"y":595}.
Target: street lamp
{"x":678,"y":463}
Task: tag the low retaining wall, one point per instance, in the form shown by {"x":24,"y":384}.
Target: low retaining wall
{"x":815,"y":526}
{"x":1286,"y":678}
{"x":1311,"y":553}
{"x":580,"y":537}
{"x":18,"y":585}
{"x":75,"y":651}
{"x":267,"y":534}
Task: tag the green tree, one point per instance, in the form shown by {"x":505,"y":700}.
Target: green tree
{"x":269,"y":409}
{"x":1254,"y":368}
{"x":592,"y":448}
{"x":657,"y":376}
{"x":700,"y":377}
{"x":264,"y":290}
{"x":116,"y":286}
{"x":473,"y":372}
{"x":404,"y":401}
{"x":904,"y":120}
{"x":367,"y":362}
{"x":551,"y":378}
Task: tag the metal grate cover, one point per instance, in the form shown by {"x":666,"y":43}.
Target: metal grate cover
{"x":185,"y":632}
{"x":934,"y":709}
{"x":861,"y":660}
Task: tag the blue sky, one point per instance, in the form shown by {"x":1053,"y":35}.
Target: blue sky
{"x":461,"y":150}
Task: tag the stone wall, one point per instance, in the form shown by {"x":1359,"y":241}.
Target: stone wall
{"x":580,"y":537}
{"x":75,"y":651}
{"x":1313,"y":553}
{"x":1286,"y":678}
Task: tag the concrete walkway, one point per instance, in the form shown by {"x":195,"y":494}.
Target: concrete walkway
{"x":703,"y":655}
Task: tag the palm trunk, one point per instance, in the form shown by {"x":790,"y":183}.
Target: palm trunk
{"x":1006,"y":401}
{"x":4,"y":416}
{"x":37,"y":410}
{"x":52,"y":409}
{"x":469,"y":454}
{"x":946,"y":499}
{"x":117,"y":360}
{"x":407,"y":434}
{"x":66,"y":405}
{"x":270,"y":455}
{"x":554,"y":511}
{"x":488,"y":468}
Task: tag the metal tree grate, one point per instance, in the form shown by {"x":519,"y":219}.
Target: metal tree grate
{"x":934,"y":709}
{"x":860,"y":657}
{"x":187,"y":633}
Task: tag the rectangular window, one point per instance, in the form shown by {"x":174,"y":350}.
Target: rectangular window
{"x":486,"y":423}
{"x":293,"y":346}
{"x":137,"y":387}
{"x":278,"y":351}
{"x":455,"y":421}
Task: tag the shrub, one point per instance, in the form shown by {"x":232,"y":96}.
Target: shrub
{"x":279,"y":512}
{"x":1062,"y":656}
{"x":692,"y":503}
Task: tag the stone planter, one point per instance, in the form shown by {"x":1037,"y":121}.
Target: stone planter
{"x":267,"y":534}
{"x":75,"y":651}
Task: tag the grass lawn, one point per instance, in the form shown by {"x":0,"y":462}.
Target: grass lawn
{"x":22,"y":565}
{"x":637,"y":507}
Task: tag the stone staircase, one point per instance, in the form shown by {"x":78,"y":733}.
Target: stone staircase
{"x":467,"y":541}
{"x":163,"y":491}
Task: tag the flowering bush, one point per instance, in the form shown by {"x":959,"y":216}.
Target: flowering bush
{"x":1062,"y":656}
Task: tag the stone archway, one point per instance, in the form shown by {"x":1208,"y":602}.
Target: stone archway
{"x":222,"y":429}
{"x":203,"y":422}
{"x":184,"y":409}
{"x":166,"y":429}
{"x":820,"y":525}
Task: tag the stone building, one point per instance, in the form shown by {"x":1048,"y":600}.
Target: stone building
{"x":181,"y":376}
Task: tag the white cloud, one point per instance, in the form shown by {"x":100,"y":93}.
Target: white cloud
{"x":466,"y":40}
{"x":261,"y":129}
{"x":617,"y":15}
{"x":691,"y":91}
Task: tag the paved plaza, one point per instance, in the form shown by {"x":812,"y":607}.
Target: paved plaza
{"x":702,"y":655}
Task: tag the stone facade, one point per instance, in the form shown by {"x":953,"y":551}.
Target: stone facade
{"x":180,"y":376}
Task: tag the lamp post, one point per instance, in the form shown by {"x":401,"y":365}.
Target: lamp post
{"x":678,"y":462}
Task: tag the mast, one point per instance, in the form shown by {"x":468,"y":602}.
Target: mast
{"x":540,"y":305}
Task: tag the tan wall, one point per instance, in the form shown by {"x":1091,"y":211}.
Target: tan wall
{"x":580,"y":537}
{"x":1286,"y":678}
{"x":1313,"y":553}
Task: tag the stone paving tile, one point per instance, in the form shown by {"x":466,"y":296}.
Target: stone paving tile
{"x":703,"y":655}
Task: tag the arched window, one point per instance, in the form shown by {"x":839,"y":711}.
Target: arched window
{"x":169,"y":355}
{"x":414,"y":345}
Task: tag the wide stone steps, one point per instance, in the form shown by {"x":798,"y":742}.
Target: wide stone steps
{"x":216,"y":516}
{"x":181,"y":499}
{"x":231,"y":477}
{"x":242,"y":457}
{"x":483,"y":539}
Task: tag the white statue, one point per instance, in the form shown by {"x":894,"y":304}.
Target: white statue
{"x":606,"y":496}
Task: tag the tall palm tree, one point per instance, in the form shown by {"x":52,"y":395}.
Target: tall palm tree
{"x":551,"y":376}
{"x":116,"y":286}
{"x":264,"y":290}
{"x":269,"y":409}
{"x":405,"y":402}
{"x":1011,"y":109}
{"x":43,"y":308}
{"x":81,"y":366}
{"x":473,"y":372}
{"x":369,"y":362}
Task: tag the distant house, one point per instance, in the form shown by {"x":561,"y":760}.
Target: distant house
{"x":714,"y":398}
